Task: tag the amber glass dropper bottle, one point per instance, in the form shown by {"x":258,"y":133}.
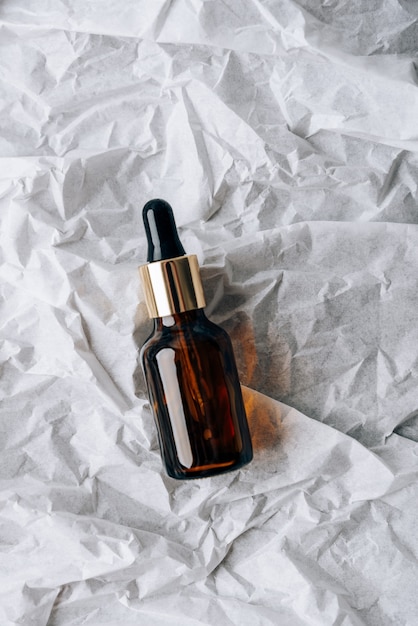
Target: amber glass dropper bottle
{"x":188,"y":362}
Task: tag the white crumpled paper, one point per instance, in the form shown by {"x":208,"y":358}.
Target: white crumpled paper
{"x":285,"y":136}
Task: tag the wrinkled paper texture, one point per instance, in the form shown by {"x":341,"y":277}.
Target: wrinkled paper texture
{"x":285,"y":135}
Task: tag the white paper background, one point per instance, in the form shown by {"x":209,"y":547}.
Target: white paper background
{"x":285,"y":135}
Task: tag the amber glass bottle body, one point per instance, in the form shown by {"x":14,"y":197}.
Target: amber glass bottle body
{"x":196,"y":397}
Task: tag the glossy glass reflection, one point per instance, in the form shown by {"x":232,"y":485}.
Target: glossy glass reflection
{"x":196,"y":397}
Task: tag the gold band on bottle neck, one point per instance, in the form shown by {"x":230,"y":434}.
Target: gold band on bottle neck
{"x":172,"y":286}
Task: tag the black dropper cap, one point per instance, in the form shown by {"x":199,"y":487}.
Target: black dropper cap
{"x":161,"y":231}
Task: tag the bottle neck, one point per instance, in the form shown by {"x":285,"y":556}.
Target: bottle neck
{"x":172,"y":286}
{"x":177,"y":320}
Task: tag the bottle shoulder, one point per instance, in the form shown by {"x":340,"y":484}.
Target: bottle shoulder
{"x":203,"y":332}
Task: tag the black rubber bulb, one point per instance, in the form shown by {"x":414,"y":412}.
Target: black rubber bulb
{"x":161,"y":231}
